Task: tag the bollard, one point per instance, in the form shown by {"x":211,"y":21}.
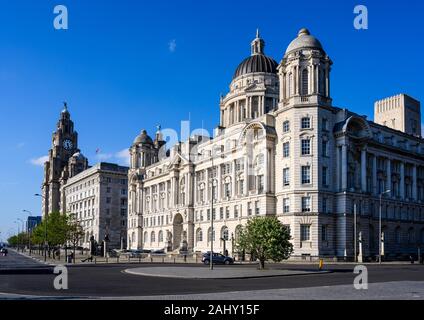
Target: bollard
{"x":163,"y":260}
{"x":321,"y":264}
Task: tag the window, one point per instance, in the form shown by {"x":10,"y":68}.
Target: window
{"x":209,"y":214}
{"x":324,"y":148}
{"x":306,"y":174}
{"x":324,"y":233}
{"x":211,"y":234}
{"x":306,"y":204}
{"x":221,"y":213}
{"x":108,"y":200}
{"x":108,"y":190}
{"x":152,"y":237}
{"x":224,"y":234}
{"x":260,"y":184}
{"x":286,"y":126}
{"x":236,"y":212}
{"x":161,"y":236}
{"x":306,"y":123}
{"x":324,"y":124}
{"x":123,"y":192}
{"x":249,"y":209}
{"x":199,"y":235}
{"x":227,"y":213}
{"x":325,"y":176}
{"x":286,"y":149}
{"x":286,"y":177}
{"x":257,"y":208}
{"x":305,"y":82}
{"x":306,"y":147}
{"x":286,"y":205}
{"x":305,"y":232}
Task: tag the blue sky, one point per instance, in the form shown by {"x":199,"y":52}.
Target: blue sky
{"x":127,"y":65}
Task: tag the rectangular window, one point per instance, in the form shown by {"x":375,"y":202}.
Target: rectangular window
{"x":306,"y":174}
{"x":324,"y":205}
{"x":305,"y":232}
{"x":306,"y":204}
{"x":123,"y":192}
{"x":325,"y":176}
{"x":257,"y":208}
{"x":306,"y":147}
{"x":286,"y":126}
{"x":108,"y":190}
{"x":324,"y":233}
{"x":249,"y":209}
{"x":236,"y":212}
{"x":286,"y":150}
{"x":108,"y":200}
{"x":209,"y":215}
{"x":306,"y":123}
{"x":324,"y":124}
{"x":286,"y":177}
{"x":260,"y":184}
{"x":227,"y":213}
{"x":324,"y":148}
{"x":221,"y":213}
{"x":286,"y":205}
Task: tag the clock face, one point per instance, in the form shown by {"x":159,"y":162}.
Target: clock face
{"x":68,"y":145}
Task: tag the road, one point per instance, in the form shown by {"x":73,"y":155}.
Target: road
{"x":90,"y":281}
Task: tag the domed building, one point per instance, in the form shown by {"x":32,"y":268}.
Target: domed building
{"x":283,"y":149}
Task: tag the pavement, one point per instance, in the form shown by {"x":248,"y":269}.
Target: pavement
{"x":227,"y":272}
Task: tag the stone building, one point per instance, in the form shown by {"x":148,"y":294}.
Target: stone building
{"x":98,"y":199}
{"x":97,"y":195}
{"x":65,"y":161}
{"x":283,"y":149}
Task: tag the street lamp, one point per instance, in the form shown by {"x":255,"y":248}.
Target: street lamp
{"x":17,"y":236}
{"x":379,"y":227}
{"x":22,"y":231}
{"x":45,"y":229}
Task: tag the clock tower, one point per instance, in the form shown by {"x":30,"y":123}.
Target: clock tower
{"x":56,"y":169}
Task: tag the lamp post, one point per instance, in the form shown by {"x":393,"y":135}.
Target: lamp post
{"x":17,"y":223}
{"x":45,"y":229}
{"x":354,"y":232}
{"x":380,"y":233}
{"x":28,"y":229}
{"x":22,"y":231}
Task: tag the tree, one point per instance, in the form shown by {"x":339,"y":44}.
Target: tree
{"x":75,"y":232}
{"x":265,"y":238}
{"x":56,"y":226}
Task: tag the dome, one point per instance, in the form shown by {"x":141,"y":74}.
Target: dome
{"x":143,"y":138}
{"x":304,"y":40}
{"x":256,"y":63}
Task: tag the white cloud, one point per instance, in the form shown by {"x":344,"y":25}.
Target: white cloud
{"x":39,"y":161}
{"x":172,"y":45}
{"x":103,"y":156}
{"x":123,"y":157}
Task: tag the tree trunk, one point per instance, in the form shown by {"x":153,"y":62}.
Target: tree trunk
{"x":261,"y":264}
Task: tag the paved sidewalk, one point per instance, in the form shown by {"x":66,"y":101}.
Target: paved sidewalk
{"x":227,"y":272}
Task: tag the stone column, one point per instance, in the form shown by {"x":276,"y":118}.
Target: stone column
{"x":389,"y":178}
{"x":344,"y":167}
{"x":402,"y":180}
{"x":364,"y":170}
{"x":266,"y":170}
{"x":374,"y":174}
{"x":414,"y":183}
{"x":234,"y":186}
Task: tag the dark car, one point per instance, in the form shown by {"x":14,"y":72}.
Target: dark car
{"x":4,"y":252}
{"x":217,"y":258}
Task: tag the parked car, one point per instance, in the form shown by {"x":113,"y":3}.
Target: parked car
{"x":159,"y":251}
{"x":217,"y":258}
{"x":4,"y":252}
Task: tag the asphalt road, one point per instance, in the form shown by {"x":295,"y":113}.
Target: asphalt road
{"x":37,"y":279}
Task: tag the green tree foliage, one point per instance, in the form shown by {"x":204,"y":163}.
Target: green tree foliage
{"x":58,"y":226}
{"x":266,"y":239}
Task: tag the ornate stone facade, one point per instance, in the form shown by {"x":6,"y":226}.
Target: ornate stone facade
{"x":281,"y":149}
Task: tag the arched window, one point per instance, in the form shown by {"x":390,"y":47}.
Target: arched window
{"x":145,"y":238}
{"x":152,"y":237}
{"x":290,"y":85}
{"x":160,"y":236}
{"x":199,"y":235}
{"x":132,"y":240}
{"x":305,"y":82}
